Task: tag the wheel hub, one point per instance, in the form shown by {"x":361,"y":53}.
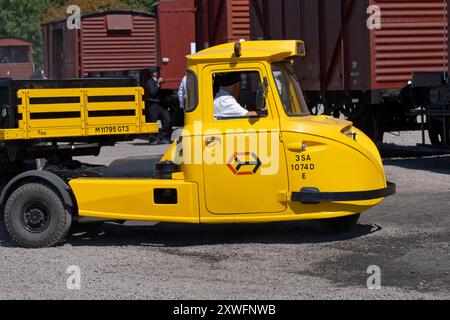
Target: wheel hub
{"x":35,"y":217}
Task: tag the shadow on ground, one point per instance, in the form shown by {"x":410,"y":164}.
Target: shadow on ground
{"x":396,"y":151}
{"x":416,"y":158}
{"x":417,"y":261}
{"x":179,"y":235}
{"x":439,"y":164}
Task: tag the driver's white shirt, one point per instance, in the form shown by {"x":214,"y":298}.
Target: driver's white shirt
{"x":226,"y":106}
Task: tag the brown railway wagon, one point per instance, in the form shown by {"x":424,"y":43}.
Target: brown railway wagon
{"x":16,"y":61}
{"x":186,"y":26}
{"x":343,"y":54}
{"x":181,"y":27}
{"x":350,"y":67}
{"x":111,"y":43}
{"x":413,"y":37}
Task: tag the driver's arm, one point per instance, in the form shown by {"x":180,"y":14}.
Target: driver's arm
{"x":232,"y":109}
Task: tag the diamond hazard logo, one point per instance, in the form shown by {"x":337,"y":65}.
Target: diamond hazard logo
{"x":244,"y":163}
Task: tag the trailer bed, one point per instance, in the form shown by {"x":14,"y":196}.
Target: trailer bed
{"x":48,"y":113}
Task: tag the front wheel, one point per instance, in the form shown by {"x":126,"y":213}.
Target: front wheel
{"x":337,"y":225}
{"x":35,"y":216}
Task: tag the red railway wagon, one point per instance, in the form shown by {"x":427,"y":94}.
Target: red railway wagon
{"x":355,"y":70}
{"x":108,"y":44}
{"x":16,"y":59}
{"x":186,"y":26}
{"x":350,"y":69}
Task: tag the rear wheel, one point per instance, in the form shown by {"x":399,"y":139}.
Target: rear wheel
{"x":35,"y":216}
{"x":337,"y":225}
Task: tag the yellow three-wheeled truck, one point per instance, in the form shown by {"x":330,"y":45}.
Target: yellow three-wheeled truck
{"x":272,"y":162}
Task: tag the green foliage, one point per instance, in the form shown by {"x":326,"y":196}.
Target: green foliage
{"x":146,"y":5}
{"x":58,"y":8}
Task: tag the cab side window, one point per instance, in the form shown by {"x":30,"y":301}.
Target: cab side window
{"x":191,"y":98}
{"x":238,"y":95}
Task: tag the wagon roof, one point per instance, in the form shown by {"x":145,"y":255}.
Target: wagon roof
{"x":5,"y":41}
{"x":104,"y":13}
{"x":251,"y":50}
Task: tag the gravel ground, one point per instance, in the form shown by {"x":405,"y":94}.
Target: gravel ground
{"x":407,"y":236}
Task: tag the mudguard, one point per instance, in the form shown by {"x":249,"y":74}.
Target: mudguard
{"x":62,"y":187}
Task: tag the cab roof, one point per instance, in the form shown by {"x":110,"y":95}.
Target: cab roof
{"x":251,"y":50}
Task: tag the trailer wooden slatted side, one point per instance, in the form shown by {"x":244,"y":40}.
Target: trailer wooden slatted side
{"x":79,"y":112}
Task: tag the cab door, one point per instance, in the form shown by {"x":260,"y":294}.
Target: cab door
{"x":244,"y":160}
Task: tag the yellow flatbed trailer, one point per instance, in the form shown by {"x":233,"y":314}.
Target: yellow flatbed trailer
{"x":250,"y":152}
{"x":57,"y":120}
{"x":40,"y":112}
{"x":79,"y":112}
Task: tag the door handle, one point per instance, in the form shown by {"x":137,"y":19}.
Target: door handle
{"x":297,"y":147}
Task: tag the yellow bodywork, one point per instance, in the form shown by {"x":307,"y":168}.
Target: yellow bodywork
{"x":133,"y":199}
{"x":37,"y":121}
{"x":314,"y":152}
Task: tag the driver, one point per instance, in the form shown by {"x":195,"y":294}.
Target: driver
{"x":225,"y":103}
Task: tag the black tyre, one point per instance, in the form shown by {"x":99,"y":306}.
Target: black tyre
{"x":337,"y":225}
{"x":35,"y":216}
